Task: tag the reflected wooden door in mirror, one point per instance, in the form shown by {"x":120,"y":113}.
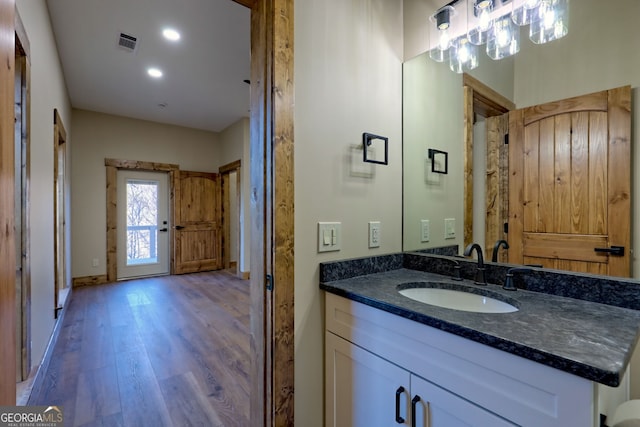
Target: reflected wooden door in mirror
{"x":569,"y":186}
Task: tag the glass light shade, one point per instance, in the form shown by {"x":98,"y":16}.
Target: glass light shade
{"x":439,"y":33}
{"x":463,"y":55}
{"x":504,"y":40}
{"x":524,"y":11}
{"x":551,"y":22}
{"x":479,"y":20}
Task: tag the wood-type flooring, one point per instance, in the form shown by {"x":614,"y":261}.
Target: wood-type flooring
{"x":164,"y":351}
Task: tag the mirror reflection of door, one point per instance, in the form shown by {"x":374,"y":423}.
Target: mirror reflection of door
{"x":570,"y":183}
{"x":143,"y":224}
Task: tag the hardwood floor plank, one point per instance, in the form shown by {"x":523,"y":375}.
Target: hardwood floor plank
{"x":140,"y":396}
{"x":186,"y":411}
{"x":97,"y":395}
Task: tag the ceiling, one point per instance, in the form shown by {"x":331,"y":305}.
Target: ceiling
{"x":202,"y":86}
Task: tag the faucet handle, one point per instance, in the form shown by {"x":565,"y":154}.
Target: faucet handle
{"x":508,"y":282}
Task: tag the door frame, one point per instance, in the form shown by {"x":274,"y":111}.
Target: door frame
{"x":272,"y":211}
{"x":478,"y":98}
{"x":112,"y":166}
{"x":7,"y":212}
{"x":23,"y":143}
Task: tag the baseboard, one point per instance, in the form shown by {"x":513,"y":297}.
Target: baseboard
{"x":38,"y":380}
{"x":244,"y":275}
{"x":233,"y":264}
{"x":89,"y":280}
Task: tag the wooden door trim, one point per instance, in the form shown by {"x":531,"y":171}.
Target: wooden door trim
{"x":478,"y":98}
{"x":23,"y":68}
{"x":272,"y":213}
{"x":619,"y":106}
{"x":112,"y":166}
{"x":7,"y":197}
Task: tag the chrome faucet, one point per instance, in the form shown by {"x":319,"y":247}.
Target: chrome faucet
{"x":480,"y":276}
{"x":496,"y":248}
{"x":508,"y":282}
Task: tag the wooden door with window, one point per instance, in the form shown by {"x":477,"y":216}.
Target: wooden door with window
{"x":197,"y":230}
{"x":569,"y":186}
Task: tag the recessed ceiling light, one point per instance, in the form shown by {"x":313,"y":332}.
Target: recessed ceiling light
{"x":155,"y":72}
{"x":171,"y":34}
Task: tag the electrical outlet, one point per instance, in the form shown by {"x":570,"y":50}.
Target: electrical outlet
{"x":449,"y":228}
{"x":374,"y":234}
{"x":95,"y":262}
{"x":329,"y":236}
{"x":425,"y":230}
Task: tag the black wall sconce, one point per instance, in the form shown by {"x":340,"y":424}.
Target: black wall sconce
{"x":367,"y":141}
{"x":444,"y":156}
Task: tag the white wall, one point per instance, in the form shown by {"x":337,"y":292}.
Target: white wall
{"x":98,"y":136}
{"x":348,"y":78}
{"x":234,"y":144}
{"x":48,"y":92}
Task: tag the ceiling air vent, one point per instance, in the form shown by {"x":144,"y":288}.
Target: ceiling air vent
{"x":127,"y":42}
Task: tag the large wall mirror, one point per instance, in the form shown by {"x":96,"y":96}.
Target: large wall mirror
{"x":598,"y":53}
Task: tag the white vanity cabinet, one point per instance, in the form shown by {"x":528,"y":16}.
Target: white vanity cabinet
{"x":366,"y":390}
{"x":371,"y":353}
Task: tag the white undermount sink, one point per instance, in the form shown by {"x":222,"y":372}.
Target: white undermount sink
{"x":458,"y":300}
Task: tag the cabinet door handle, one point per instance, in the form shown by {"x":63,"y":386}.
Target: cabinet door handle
{"x":399,"y":392}
{"x":414,"y":402}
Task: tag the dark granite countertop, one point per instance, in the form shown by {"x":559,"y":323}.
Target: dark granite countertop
{"x":588,"y":339}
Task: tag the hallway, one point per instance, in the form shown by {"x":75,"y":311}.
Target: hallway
{"x":164,"y":351}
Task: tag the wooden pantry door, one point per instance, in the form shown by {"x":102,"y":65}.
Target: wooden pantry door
{"x":569,"y":185}
{"x":197,"y":234}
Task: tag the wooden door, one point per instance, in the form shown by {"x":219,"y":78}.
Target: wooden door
{"x":197,"y":231}
{"x":569,"y":188}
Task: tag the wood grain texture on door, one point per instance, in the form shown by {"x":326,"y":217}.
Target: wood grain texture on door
{"x":197,"y":237}
{"x":570,"y":179}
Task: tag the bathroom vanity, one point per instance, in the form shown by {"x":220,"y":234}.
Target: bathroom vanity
{"x":392,"y":360}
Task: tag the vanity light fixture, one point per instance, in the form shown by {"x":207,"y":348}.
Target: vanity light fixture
{"x":456,"y":28}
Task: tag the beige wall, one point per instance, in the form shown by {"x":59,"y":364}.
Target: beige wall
{"x":48,"y":92}
{"x":348,"y":59}
{"x":98,"y":136}
{"x":234,"y":145}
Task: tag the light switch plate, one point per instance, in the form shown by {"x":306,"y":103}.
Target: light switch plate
{"x":374,"y":234}
{"x":329,"y":236}
{"x":425,"y":230}
{"x":449,"y":228}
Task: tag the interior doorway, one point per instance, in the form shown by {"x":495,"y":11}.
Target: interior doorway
{"x":232,"y":223}
{"x":143,"y":211}
{"x":60,"y":212}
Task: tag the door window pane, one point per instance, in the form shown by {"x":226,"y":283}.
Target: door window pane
{"x":142,"y":222}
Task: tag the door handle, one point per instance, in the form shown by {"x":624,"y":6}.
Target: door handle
{"x":179,"y":227}
{"x":613,"y":250}
{"x":414,"y":402}
{"x":164,"y":229}
{"x":399,"y":392}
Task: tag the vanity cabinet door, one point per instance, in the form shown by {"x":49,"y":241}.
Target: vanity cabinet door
{"x":433,"y":406}
{"x":362,"y":389}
